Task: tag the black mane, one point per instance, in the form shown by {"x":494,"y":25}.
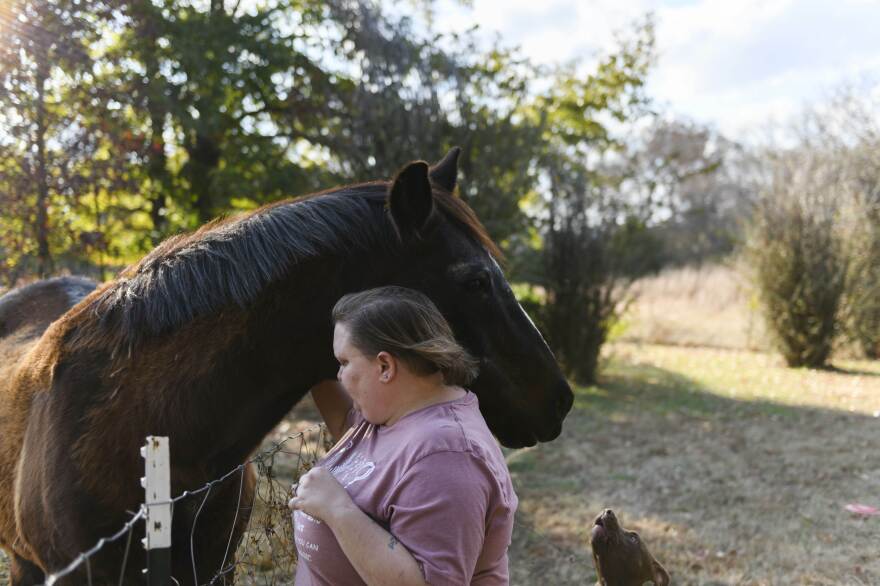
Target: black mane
{"x":229,"y":261}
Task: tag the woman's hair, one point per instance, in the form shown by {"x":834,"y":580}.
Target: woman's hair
{"x":407,"y":325}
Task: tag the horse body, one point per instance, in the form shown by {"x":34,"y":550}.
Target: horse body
{"x":25,"y":315}
{"x":213,"y":337}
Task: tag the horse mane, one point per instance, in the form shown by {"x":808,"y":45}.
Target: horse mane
{"x":229,"y":261}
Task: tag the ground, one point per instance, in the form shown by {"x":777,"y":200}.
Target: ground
{"x":711,"y":306}
{"x":734,"y":469}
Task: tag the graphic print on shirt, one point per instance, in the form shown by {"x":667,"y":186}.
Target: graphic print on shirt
{"x":355,"y":468}
{"x":304,"y":547}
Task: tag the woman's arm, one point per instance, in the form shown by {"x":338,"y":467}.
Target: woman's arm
{"x":334,"y":404}
{"x":376,"y":555}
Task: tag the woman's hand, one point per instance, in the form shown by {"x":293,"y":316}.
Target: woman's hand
{"x":320,"y":495}
{"x":376,"y":555}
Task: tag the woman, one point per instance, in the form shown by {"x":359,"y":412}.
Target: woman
{"x":416,"y":491}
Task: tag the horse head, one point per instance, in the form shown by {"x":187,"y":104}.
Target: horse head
{"x":447,"y":255}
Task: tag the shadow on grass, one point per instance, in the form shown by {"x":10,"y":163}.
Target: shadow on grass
{"x":624,"y":386}
{"x":641,"y":394}
{"x":764,"y":480}
{"x":849,"y":371}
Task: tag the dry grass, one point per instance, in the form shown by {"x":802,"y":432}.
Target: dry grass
{"x":708,"y":306}
{"x":267,"y":554}
{"x":734,"y":469}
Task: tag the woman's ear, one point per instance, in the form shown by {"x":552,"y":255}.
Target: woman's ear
{"x":387,"y":366}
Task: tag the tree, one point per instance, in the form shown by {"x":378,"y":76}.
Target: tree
{"x":224,"y":96}
{"x":593,"y":233}
{"x":692,"y":179}
{"x":412,"y":96}
{"x":44,"y":53}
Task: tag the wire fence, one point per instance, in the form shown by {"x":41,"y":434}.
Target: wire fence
{"x":265,"y":554}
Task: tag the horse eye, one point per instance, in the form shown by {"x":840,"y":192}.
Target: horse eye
{"x":477,"y":284}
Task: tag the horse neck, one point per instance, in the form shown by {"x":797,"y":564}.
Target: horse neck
{"x":253,"y":366}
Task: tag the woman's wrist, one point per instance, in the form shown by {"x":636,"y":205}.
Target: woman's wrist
{"x":342,"y":515}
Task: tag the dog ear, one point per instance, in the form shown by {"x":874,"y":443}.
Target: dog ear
{"x":661,"y":576}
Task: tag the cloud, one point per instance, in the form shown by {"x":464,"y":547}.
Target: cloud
{"x":550,"y":31}
{"x":738,"y":64}
{"x":732,"y":64}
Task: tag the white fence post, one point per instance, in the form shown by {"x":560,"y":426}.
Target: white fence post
{"x":157,"y":484}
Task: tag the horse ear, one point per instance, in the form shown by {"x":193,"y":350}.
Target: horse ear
{"x":445,"y":173}
{"x":410,"y":199}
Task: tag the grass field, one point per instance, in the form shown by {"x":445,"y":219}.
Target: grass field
{"x":734,"y":469}
{"x":711,"y":306}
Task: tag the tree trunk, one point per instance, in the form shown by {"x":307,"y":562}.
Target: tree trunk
{"x":204,"y":160}
{"x":44,"y":259}
{"x":157,"y":171}
{"x":156,"y":162}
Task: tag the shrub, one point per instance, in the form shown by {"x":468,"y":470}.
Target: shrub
{"x":862,"y":297}
{"x":588,"y":275}
{"x":796,"y":254}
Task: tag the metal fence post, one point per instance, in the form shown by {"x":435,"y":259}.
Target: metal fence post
{"x":157,"y":484}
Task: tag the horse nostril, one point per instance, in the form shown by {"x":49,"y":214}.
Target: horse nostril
{"x":564,"y":402}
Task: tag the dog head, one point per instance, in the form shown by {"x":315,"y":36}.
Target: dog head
{"x":621,"y":558}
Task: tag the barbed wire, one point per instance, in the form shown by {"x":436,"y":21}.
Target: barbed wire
{"x":273,"y":500}
{"x":83,"y":558}
{"x":266,"y":552}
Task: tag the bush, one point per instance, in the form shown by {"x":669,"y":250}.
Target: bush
{"x":797,"y":257}
{"x":862,"y":298}
{"x":588,"y":275}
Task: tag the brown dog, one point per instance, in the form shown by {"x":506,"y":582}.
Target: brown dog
{"x":620,"y":556}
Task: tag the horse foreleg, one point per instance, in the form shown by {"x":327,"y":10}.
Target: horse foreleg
{"x":217,"y":534}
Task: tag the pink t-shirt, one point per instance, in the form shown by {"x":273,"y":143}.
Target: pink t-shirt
{"x":436,"y":480}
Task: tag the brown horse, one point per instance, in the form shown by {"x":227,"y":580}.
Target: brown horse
{"x":211,"y":338}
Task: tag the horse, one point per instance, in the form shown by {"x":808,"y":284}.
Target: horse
{"x":211,"y":339}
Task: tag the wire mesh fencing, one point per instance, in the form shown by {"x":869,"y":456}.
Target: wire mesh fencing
{"x":265,"y":553}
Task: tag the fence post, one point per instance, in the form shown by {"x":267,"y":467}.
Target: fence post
{"x":157,"y":484}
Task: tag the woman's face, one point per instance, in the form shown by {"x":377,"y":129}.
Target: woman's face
{"x":361,"y":378}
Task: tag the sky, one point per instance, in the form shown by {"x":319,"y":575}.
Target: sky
{"x":737,"y":65}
